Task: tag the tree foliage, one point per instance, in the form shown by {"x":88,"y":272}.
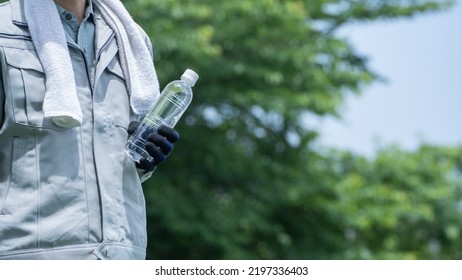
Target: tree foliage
{"x":245,"y":181}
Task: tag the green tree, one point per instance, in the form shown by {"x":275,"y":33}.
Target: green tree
{"x":400,"y":205}
{"x":246,"y":181}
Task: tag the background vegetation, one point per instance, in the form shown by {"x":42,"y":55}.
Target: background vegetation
{"x":245,"y":181}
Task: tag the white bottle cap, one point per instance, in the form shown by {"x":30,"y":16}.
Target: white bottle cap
{"x":190,"y":77}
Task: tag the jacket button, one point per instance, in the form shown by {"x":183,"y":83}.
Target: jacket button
{"x":68,"y":16}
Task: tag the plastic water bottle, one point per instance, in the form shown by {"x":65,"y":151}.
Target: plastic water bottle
{"x":170,"y":106}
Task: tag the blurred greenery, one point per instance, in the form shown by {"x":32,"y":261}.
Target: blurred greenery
{"x":246,"y":180}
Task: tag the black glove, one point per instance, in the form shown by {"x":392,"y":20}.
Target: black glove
{"x":159,"y":144}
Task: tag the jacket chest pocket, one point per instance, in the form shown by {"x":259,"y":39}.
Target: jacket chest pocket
{"x":27,"y":89}
{"x":111,"y":94}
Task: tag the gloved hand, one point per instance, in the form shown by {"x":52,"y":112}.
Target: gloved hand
{"x":159,"y":144}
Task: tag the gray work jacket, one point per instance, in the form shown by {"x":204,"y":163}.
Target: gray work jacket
{"x":65,"y":193}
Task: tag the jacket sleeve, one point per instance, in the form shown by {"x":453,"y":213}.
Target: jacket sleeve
{"x":2,"y":90}
{"x":141,"y":173}
{"x":144,"y":175}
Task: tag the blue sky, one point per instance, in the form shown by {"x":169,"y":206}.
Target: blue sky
{"x":422,"y":100}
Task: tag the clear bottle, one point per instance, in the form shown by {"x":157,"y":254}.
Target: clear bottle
{"x":170,"y":106}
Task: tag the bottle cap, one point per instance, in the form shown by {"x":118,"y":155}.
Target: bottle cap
{"x":190,"y":76}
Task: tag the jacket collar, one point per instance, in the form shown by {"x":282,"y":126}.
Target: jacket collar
{"x":17,"y":11}
{"x":19,"y":19}
{"x":103,"y":35}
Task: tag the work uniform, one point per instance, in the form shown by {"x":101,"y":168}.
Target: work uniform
{"x":66,"y":193}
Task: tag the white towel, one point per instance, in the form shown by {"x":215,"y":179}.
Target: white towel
{"x":136,"y":61}
{"x":61,"y":101}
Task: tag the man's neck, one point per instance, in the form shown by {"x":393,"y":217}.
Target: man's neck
{"x":77,"y":7}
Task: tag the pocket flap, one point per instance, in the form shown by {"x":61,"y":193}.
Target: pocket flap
{"x":24,"y":59}
{"x":115,"y":68}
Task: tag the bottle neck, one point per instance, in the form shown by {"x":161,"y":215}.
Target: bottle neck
{"x":187,"y":81}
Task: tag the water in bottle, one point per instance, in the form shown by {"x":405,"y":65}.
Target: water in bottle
{"x":170,"y":106}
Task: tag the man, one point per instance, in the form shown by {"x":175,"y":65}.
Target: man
{"x":69,"y":88}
